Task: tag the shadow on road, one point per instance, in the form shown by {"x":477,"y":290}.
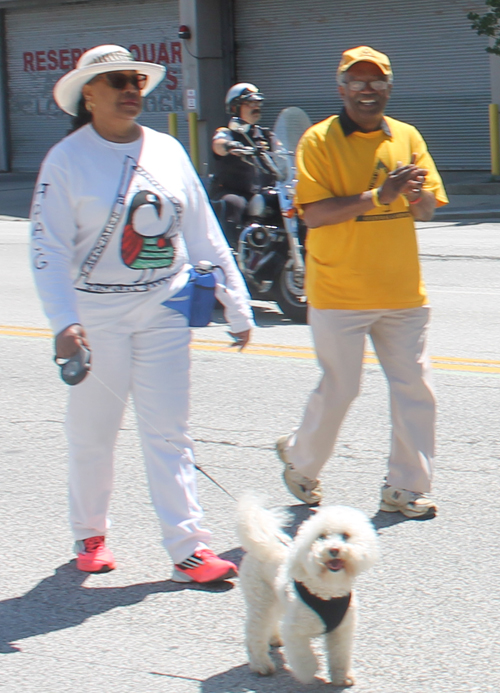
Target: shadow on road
{"x":297,"y":514}
{"x":241,"y":680}
{"x":267,"y":315}
{"x":235,"y":555}
{"x":270,"y":315}
{"x":62,"y":601}
{"x":382,"y":519}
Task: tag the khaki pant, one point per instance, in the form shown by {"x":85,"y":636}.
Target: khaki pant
{"x":399,"y":339}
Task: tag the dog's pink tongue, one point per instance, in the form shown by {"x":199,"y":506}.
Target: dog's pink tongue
{"x":335,"y":564}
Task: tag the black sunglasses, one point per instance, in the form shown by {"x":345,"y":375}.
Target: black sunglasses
{"x":117,"y":80}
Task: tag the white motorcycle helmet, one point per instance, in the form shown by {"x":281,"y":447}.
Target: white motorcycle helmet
{"x":244,"y":91}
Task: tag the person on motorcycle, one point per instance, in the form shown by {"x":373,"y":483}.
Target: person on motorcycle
{"x":242,"y":164}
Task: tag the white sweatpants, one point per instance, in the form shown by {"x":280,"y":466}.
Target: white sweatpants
{"x":399,"y":339}
{"x":143,"y":351}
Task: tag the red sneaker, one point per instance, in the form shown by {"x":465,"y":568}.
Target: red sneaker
{"x":96,"y":558}
{"x":203,"y":566}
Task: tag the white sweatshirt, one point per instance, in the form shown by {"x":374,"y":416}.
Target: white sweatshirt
{"x":119,"y":221}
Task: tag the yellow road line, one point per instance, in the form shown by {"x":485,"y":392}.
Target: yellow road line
{"x":446,"y":363}
{"x":14,"y":331}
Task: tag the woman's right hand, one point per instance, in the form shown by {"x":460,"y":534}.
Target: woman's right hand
{"x":241,"y":339}
{"x":69,"y":341}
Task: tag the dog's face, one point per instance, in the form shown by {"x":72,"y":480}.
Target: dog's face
{"x":332,"y":548}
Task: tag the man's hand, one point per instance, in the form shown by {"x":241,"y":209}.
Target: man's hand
{"x":241,"y":339}
{"x":404,"y":180}
{"x":69,"y":341}
{"x":239,"y":149}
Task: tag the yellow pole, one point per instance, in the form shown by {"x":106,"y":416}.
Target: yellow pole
{"x":172,"y":124}
{"x":194,"y":149}
{"x":494,"y":140}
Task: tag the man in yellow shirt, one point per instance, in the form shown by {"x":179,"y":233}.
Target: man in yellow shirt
{"x":363,"y":180}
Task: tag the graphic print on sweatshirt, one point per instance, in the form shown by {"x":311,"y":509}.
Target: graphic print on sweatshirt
{"x":146,"y":244}
{"x":141,"y":235}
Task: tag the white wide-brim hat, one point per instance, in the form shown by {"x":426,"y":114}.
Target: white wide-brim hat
{"x":109,"y":58}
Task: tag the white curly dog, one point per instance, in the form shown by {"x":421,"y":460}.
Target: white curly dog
{"x":306,"y":585}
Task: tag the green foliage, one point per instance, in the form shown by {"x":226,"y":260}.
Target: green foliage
{"x":488,"y":24}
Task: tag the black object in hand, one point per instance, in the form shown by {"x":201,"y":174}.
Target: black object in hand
{"x":74,"y":369}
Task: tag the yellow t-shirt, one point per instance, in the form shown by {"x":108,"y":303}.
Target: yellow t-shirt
{"x":371,"y":261}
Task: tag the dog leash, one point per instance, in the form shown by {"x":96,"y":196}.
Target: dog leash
{"x":169,"y":442}
{"x":74,"y":370}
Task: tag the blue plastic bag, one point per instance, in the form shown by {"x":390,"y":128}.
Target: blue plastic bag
{"x":197,"y":299}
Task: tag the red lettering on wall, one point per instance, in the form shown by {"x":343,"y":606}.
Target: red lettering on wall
{"x":52,"y":59}
{"x":40,"y":61}
{"x":176,"y":51}
{"x":28,"y":61}
{"x":75,"y":54}
{"x":66,"y":58}
{"x":64,"y":63}
{"x":136,"y":51}
{"x":163,"y":53}
{"x":145,"y":56}
{"x":172,"y":81}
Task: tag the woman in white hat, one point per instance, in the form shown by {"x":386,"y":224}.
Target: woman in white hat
{"x":119,"y":216}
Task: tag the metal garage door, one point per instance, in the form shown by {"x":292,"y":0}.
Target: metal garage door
{"x":291,"y":49}
{"x":43,"y":44}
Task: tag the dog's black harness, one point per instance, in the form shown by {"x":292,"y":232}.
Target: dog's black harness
{"x":330,"y":611}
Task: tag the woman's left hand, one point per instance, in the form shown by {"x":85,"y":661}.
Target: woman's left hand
{"x":241,"y":339}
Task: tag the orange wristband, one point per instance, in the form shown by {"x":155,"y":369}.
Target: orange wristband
{"x":414,"y":202}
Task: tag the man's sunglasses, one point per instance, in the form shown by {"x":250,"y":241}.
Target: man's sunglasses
{"x":117,"y":80}
{"x":376,"y":84}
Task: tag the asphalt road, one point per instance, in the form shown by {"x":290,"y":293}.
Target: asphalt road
{"x":430,"y":609}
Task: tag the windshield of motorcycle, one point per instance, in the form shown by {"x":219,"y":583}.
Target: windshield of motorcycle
{"x":289,"y":127}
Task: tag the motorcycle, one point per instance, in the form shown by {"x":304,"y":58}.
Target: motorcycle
{"x":270,"y":246}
